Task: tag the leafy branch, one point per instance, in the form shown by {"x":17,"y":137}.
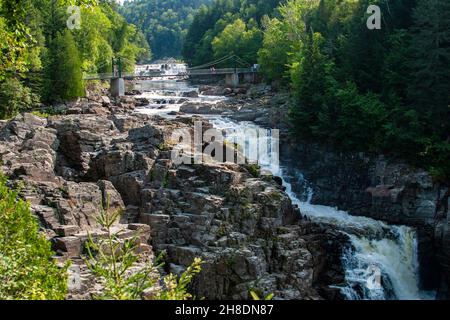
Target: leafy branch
{"x":128,"y":275}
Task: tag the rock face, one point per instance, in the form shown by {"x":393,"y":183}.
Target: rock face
{"x":369,"y":186}
{"x":205,"y":109}
{"x":383,"y":190}
{"x":245,"y":228}
{"x":238,"y":224}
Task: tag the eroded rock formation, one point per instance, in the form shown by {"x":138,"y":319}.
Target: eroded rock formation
{"x":244,"y":227}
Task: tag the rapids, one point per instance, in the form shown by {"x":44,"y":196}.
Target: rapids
{"x":381,"y":262}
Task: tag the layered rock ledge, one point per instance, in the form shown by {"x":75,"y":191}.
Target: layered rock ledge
{"x":244,"y":227}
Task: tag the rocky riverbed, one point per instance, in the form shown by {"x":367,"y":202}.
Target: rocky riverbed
{"x":243,"y":226}
{"x":373,"y":186}
{"x":246,"y":227}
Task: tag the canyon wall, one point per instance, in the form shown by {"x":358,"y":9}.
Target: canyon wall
{"x":243,"y":226}
{"x":385,"y":190}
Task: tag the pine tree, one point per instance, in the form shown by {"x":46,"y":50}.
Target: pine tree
{"x":64,"y":79}
{"x":313,"y":84}
{"x":430,"y":47}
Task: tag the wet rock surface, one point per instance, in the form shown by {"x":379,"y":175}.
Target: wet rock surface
{"x":256,"y":103}
{"x":372,"y":186}
{"x":385,"y":190}
{"x":245,"y":228}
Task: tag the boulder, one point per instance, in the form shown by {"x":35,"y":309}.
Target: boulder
{"x":190,"y":94}
{"x":105,"y":101}
{"x":111,"y":198}
{"x":68,"y":246}
{"x":67,"y":231}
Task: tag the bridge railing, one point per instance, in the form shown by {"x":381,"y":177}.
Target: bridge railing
{"x":98,"y":76}
{"x":127,"y":75}
{"x":131,"y":75}
{"x":221,"y":71}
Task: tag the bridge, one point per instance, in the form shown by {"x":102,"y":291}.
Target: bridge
{"x":232,"y":75}
{"x":126,"y":76}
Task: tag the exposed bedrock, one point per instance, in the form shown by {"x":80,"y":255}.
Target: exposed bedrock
{"x":384,"y":190}
{"x":364,"y":185}
{"x":245,"y":228}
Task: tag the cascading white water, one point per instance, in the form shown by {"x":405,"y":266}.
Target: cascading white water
{"x":397,"y":262}
{"x":381,"y":261}
{"x":166,"y":96}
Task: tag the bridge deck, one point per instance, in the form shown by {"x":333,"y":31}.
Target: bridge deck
{"x":197,"y":72}
{"x":221,"y":71}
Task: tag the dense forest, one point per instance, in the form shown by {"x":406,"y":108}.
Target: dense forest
{"x":227,"y":27}
{"x":359,"y":89}
{"x":43,"y":60}
{"x":383,"y":91}
{"x":164,"y":22}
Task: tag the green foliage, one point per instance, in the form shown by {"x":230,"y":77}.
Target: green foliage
{"x":49,"y":59}
{"x":125,"y":274}
{"x":65,"y":78}
{"x":14,"y":98}
{"x":164,"y":23}
{"x":210,"y":23}
{"x":11,"y":59}
{"x":27,"y":270}
{"x":382,"y":91}
{"x":177,"y":289}
{"x":239,"y":39}
{"x":360,"y":120}
{"x":20,"y":32}
{"x":256,"y":297}
{"x":429,"y":89}
{"x":13,"y":35}
{"x":272,"y":56}
{"x":105,"y":34}
{"x":40,"y":114}
{"x":48,"y":112}
{"x":254,"y":170}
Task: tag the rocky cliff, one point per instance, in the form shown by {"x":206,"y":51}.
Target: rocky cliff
{"x":244,"y":227}
{"x":385,"y":190}
{"x":377,"y":187}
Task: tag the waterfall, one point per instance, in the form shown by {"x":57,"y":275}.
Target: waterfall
{"x":380,"y":264}
{"x":394,"y":258}
{"x":381,"y":260}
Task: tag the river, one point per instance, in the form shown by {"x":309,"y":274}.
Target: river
{"x":381,"y":260}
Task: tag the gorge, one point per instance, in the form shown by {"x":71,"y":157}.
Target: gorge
{"x":391,"y":248}
{"x":94,"y":204}
{"x":249,"y":231}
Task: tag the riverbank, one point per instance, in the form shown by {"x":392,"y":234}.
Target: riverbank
{"x":364,"y":185}
{"x":243,"y":226}
{"x":249,"y":229}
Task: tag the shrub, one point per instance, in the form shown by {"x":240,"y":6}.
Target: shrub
{"x":27,"y":270}
{"x":115,"y":262}
{"x":14,"y":98}
{"x":254,"y":169}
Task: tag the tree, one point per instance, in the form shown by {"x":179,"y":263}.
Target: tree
{"x":115,"y":262}
{"x":27,"y":269}
{"x":164,"y":23}
{"x":13,"y":35}
{"x":31,"y":41}
{"x":64,"y":74}
{"x":313,"y":84}
{"x":16,"y":32}
{"x":14,"y":98}
{"x":209,"y":23}
{"x":429,"y":91}
{"x":238,"y":39}
{"x":273,"y":56}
